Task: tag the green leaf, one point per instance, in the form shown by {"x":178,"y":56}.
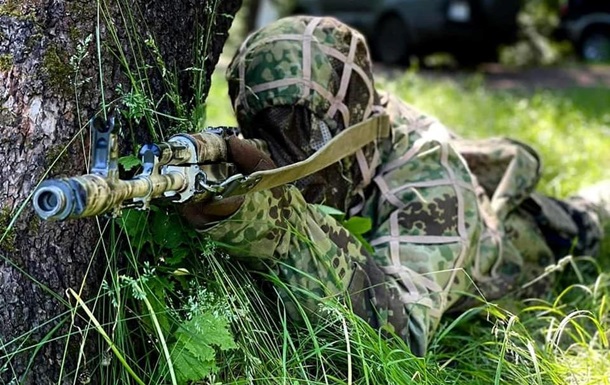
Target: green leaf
{"x":178,"y":255}
{"x":129,"y":162}
{"x":189,"y":365}
{"x":194,"y":353}
{"x":167,"y":230}
{"x":136,"y":225}
{"x":337,"y":214}
{"x":358,"y":225}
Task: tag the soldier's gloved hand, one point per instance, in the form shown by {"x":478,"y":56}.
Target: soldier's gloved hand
{"x":247,"y":159}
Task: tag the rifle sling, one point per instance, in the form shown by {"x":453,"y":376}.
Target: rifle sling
{"x":344,"y":144}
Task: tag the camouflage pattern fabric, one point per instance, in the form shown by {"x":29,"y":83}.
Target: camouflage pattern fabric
{"x":452,"y":218}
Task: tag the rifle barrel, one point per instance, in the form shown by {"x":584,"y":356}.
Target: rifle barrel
{"x":89,"y":195}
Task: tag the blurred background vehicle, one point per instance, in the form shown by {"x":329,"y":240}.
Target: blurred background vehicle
{"x":397,"y":30}
{"x":586,"y":23}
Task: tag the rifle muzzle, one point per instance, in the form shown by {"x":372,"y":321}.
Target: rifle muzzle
{"x":54,"y":199}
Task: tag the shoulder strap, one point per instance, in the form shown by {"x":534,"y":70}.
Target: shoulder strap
{"x":346,"y":143}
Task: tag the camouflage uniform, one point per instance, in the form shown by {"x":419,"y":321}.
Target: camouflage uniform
{"x":451,"y":217}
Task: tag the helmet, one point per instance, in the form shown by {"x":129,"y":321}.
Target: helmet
{"x":298,"y":82}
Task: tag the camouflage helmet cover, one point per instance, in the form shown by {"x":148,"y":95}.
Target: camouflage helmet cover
{"x":305,"y":61}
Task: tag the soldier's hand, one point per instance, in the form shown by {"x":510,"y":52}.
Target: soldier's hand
{"x":247,"y":159}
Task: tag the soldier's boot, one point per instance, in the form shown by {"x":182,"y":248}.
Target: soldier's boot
{"x":590,"y":211}
{"x":599,"y":196}
{"x":576,"y":225}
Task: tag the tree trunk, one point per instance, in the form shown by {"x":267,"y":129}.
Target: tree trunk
{"x":45,"y":96}
{"x":252,"y":14}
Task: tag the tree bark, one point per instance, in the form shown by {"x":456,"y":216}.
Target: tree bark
{"x":44,"y":98}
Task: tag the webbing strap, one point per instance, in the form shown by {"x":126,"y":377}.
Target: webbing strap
{"x":344,"y":144}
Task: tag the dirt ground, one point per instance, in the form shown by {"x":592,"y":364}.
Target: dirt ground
{"x":504,"y":78}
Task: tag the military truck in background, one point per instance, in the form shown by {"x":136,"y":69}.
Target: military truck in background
{"x":397,"y":30}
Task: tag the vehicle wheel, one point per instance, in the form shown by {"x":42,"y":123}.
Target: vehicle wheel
{"x":595,"y":46}
{"x":391,"y":41}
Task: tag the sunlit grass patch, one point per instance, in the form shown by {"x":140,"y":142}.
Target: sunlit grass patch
{"x":219,"y":111}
